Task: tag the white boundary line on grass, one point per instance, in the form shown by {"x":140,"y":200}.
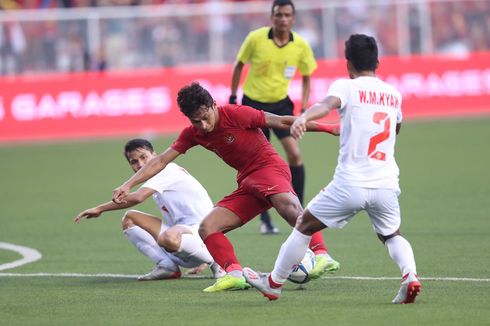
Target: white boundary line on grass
{"x":29,"y":255}
{"x":356,"y":278}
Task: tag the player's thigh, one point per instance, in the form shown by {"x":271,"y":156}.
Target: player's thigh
{"x":336,"y":204}
{"x":220,"y":219}
{"x":268,"y":181}
{"x":288,"y":206}
{"x":384,"y":210}
{"x":147,"y":222}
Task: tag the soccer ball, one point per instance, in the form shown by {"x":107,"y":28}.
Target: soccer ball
{"x":300,"y":273}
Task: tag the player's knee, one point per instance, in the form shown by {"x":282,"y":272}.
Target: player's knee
{"x":203,"y":230}
{"x":169,"y":240}
{"x":127,"y":220}
{"x":290,"y":212}
{"x":384,"y":238}
{"x":308,"y":224}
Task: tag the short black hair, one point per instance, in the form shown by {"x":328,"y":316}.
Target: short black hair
{"x":362,"y":51}
{"x":136,"y":143}
{"x":282,"y":3}
{"x":193,"y":97}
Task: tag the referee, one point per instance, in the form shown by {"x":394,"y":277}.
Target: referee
{"x":274,"y":54}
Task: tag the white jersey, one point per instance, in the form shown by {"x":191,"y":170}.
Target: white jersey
{"x":180,"y":197}
{"x":369,"y":112}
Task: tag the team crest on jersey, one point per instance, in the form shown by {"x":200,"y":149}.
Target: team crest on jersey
{"x":229,"y":138}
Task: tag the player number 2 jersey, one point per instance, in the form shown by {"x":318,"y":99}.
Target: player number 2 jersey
{"x":369,"y":112}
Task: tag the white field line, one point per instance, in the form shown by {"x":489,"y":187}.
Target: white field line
{"x":29,"y":255}
{"x":132,"y":276}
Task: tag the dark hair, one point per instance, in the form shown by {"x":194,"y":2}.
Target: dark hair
{"x":134,"y":144}
{"x":193,"y":97}
{"x":362,"y":51}
{"x":282,"y":3}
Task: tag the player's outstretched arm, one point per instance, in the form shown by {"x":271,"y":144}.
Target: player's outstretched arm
{"x":318,"y":110}
{"x":131,"y":200}
{"x":151,"y":168}
{"x":287,"y":121}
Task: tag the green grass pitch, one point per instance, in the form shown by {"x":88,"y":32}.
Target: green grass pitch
{"x":445,"y":205}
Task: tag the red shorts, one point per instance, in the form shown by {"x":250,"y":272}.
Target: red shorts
{"x":251,"y":197}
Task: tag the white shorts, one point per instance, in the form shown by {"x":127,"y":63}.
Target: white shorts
{"x":180,"y":259}
{"x":337,"y":204}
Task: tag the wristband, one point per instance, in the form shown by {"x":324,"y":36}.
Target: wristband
{"x":232,"y":99}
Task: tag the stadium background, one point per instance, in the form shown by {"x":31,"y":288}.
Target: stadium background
{"x":86,"y":69}
{"x":78,"y":82}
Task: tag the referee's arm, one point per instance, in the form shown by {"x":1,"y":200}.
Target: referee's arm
{"x":235,"y":80}
{"x":305,"y":93}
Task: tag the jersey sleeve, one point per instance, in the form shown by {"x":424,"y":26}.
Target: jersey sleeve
{"x":246,"y":50}
{"x":164,"y":179}
{"x":340,"y":89}
{"x":308,"y":63}
{"x":184,"y":141}
{"x":246,"y":117}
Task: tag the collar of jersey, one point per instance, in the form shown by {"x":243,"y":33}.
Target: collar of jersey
{"x":271,"y":36}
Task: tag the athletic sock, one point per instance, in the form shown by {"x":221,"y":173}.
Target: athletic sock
{"x":291,"y":253}
{"x":317,"y":245}
{"x":191,"y":246}
{"x":222,"y":251}
{"x":148,"y":246}
{"x":401,"y":253}
{"x":298,"y":180}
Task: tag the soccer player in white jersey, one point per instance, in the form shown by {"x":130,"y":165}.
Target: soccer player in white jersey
{"x":183,"y":202}
{"x":366,"y":177}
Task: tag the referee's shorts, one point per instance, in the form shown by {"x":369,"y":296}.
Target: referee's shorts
{"x":283,"y":107}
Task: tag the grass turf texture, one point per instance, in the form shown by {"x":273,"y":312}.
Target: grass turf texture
{"x":445,"y":191}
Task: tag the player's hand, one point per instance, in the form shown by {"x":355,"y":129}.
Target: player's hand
{"x":232,"y":99}
{"x":119,"y":194}
{"x":298,"y":128}
{"x":88,"y":213}
{"x":197,"y":270}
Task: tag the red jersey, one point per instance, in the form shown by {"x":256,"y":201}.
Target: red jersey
{"x":236,"y":138}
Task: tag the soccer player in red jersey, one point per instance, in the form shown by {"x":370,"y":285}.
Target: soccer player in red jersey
{"x":264,"y":180}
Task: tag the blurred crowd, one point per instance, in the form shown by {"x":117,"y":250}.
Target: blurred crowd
{"x":456,"y":27}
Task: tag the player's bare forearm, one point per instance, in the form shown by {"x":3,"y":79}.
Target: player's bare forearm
{"x":278,"y":121}
{"x":286,"y":121}
{"x":333,"y":129}
{"x":305,"y":92}
{"x":151,"y":168}
{"x":109,"y":206}
{"x":235,"y":77}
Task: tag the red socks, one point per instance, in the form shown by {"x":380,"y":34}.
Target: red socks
{"x":222,"y":251}
{"x":273,"y":284}
{"x":317,"y":245}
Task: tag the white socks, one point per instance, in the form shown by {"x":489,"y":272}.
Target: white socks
{"x":291,"y":253}
{"x":402,"y":254}
{"x":148,"y":246}
{"x":190,"y":246}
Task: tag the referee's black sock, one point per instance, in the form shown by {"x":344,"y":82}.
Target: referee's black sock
{"x":298,"y":176}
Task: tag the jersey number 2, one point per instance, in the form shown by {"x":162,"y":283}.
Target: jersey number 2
{"x":379,"y":118}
